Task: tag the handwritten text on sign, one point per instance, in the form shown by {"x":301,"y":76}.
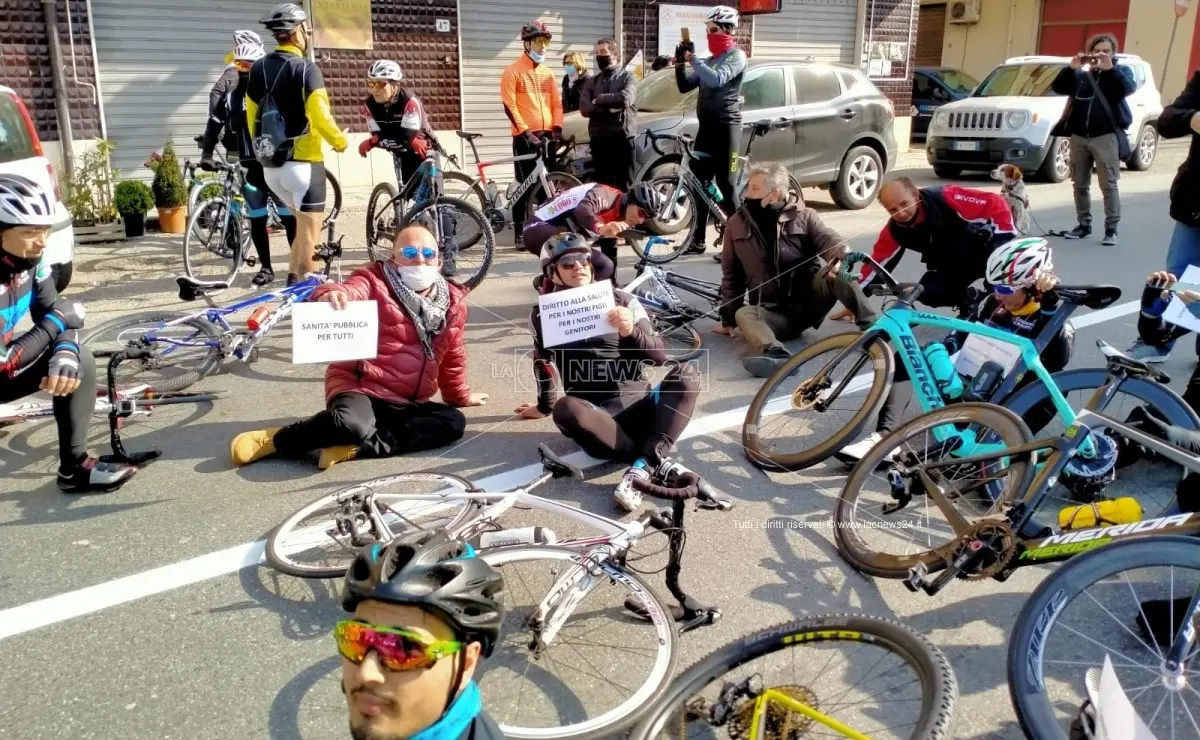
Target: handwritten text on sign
{"x":321,"y":333}
{"x":576,"y":314}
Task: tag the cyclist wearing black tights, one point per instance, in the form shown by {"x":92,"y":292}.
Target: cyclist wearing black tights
{"x":608,"y":407}
{"x":227,"y":122}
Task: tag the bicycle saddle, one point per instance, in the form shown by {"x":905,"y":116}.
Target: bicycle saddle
{"x":557,"y":466}
{"x":1092,"y":296}
{"x":190,"y":289}
{"x":468,"y":135}
{"x":1118,"y":359}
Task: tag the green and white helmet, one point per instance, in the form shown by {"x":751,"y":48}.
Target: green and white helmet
{"x":1019,"y":262}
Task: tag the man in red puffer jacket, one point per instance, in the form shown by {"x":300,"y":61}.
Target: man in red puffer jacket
{"x":381,"y":407}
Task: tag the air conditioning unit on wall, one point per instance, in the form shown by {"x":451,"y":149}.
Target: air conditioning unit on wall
{"x":963,"y":12}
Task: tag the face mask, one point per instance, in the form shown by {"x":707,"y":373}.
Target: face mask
{"x":536,"y":57}
{"x":571,"y":71}
{"x":719,"y":43}
{"x":418,"y":277}
{"x":604,"y":62}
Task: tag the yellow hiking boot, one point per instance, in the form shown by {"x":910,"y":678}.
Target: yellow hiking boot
{"x":253,"y":446}
{"x":331,"y":456}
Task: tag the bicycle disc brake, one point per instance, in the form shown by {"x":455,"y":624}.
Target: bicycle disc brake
{"x":807,"y":395}
{"x":993,"y":543}
{"x":780,"y":724}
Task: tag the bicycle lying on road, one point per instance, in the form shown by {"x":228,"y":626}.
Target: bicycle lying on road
{"x":672,"y":316}
{"x":585,"y":589}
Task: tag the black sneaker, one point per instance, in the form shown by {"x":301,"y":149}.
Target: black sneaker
{"x":292,"y":279}
{"x":1079,"y":232}
{"x":265,"y":276}
{"x":765,"y":365}
{"x":696,"y":248}
{"x":93,"y":476}
{"x":1110,"y":238}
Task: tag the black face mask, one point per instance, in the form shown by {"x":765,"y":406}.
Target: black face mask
{"x":17,"y":264}
{"x":758,"y":210}
{"x":604,"y":62}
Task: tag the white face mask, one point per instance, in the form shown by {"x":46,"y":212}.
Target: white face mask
{"x":418,"y":277}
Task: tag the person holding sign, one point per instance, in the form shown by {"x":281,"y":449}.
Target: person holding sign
{"x":608,"y":407}
{"x":1023,"y":300}
{"x":381,"y":407}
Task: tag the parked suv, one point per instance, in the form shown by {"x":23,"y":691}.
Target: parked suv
{"x":21,"y":154}
{"x":1008,"y":118}
{"x":841,"y":137}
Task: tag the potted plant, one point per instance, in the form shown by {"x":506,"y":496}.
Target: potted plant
{"x":88,"y":195}
{"x":132,"y":199}
{"x":170,"y":194}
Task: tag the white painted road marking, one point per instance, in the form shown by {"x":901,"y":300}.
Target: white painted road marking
{"x":60,"y":608}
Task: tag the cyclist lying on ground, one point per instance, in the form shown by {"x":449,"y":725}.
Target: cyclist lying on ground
{"x":46,"y":357}
{"x":381,"y":407}
{"x":426,"y":610}
{"x":608,"y":407}
{"x":1023,"y":300}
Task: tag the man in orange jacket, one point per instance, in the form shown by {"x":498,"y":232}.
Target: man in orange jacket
{"x":533,"y":104}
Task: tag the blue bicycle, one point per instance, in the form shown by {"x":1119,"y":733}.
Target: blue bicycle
{"x":857,"y":369}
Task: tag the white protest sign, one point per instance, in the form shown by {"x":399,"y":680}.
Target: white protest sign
{"x":321,"y":333}
{"x":1177,"y":311}
{"x":576,"y":314}
{"x":978,"y":349}
{"x":672,"y":19}
{"x":1116,"y":717}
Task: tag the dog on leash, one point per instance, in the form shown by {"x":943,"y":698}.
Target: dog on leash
{"x":1012,"y":189}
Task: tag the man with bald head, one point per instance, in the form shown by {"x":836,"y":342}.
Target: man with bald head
{"x":953,"y":228}
{"x":382,"y":406}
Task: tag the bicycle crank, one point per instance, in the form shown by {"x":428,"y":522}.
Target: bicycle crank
{"x":497,"y":219}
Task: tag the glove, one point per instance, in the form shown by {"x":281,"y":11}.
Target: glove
{"x":367,"y":145}
{"x":64,"y":363}
{"x":207,"y":163}
{"x":681,"y":52}
{"x":846,"y":274}
{"x":532,"y":139}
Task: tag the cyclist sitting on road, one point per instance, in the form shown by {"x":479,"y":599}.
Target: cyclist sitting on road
{"x":227,"y":121}
{"x":1023,"y":300}
{"x":608,"y":407}
{"x":381,"y":407}
{"x":48,"y":356}
{"x":427,"y":609}
{"x":772,"y":251}
{"x":953,"y":228}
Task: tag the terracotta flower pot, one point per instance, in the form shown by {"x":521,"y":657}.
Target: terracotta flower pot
{"x":172,"y":220}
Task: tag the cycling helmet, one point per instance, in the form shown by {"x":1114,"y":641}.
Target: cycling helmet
{"x":24,"y":203}
{"x":535,"y":29}
{"x":248,"y":52}
{"x":647,"y":197}
{"x":1018,"y":262}
{"x":385,"y":69}
{"x":559,"y":246}
{"x":284,"y":18}
{"x":433,"y":572}
{"x":722,"y":15}
{"x":246,"y":37}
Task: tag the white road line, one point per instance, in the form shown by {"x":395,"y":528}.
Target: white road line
{"x":37,"y":614}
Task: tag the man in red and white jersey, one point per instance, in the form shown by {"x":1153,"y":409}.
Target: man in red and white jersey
{"x":395,"y":118}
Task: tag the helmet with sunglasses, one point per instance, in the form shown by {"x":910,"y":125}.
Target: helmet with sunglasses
{"x":647,"y":198}
{"x":533,"y":30}
{"x":386,"y":70}
{"x":560,"y":245}
{"x":1018,"y":263}
{"x":433,"y":572}
{"x":284,"y":17}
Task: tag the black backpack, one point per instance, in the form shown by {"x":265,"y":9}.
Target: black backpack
{"x":272,"y":146}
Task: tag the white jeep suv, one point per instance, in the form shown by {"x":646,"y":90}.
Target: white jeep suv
{"x":1008,"y":119}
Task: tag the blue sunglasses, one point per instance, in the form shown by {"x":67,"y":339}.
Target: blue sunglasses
{"x":410,"y":253}
{"x":1005,"y":290}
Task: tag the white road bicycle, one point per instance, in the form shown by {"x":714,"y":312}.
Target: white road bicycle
{"x":564,"y":599}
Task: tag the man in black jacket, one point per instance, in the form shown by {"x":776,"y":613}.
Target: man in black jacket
{"x":607,"y":101}
{"x":1094,"y":132}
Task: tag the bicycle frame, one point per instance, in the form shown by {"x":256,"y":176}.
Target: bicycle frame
{"x":500,"y":201}
{"x":667,"y":281}
{"x":758,"y":722}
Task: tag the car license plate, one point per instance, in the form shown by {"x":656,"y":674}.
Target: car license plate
{"x":966,"y":146}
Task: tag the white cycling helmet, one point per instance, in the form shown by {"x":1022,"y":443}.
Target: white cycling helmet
{"x":24,"y":203}
{"x":385,"y":69}
{"x":722,"y":15}
{"x":248,"y":52}
{"x":242,"y":36}
{"x":1018,"y":263}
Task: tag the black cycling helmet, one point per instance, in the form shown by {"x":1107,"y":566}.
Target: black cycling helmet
{"x":535,"y":29}
{"x":431,"y":571}
{"x":559,"y":246}
{"x":650,"y":200}
{"x":284,"y":18}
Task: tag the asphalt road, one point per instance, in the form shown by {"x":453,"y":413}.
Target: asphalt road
{"x":163,"y":625}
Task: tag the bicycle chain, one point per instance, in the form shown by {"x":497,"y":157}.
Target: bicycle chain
{"x":992,"y":531}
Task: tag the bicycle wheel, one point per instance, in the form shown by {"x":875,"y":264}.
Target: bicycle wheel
{"x":681,"y":223}
{"x":571,"y":688}
{"x":321,"y":539}
{"x":560,"y":182}
{"x":833,"y":651}
{"x":212,"y":243}
{"x":465,"y":188}
{"x":869,"y":373}
{"x":920,"y":530}
{"x":683,"y":341}
{"x":194,"y":353}
{"x":455,"y":223}
{"x":333,"y":198}
{"x":384,"y":212}
{"x":1095,"y":606}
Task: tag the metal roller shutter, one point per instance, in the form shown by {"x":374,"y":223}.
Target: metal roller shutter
{"x":823,"y":30}
{"x":158,"y":60}
{"x":490,"y":42}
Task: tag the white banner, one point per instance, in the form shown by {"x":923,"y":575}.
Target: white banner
{"x":563,"y":202}
{"x":672,"y":19}
{"x":576,"y":314}
{"x":321,"y":333}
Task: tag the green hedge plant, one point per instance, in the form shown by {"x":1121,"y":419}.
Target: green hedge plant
{"x":133,"y":198}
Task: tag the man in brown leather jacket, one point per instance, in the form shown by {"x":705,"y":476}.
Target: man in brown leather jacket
{"x":773,"y":282}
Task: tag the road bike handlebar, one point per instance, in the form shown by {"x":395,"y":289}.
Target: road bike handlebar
{"x":686,"y":142}
{"x":688,"y":486}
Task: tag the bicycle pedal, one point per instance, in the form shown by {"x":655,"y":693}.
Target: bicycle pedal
{"x":915,"y":579}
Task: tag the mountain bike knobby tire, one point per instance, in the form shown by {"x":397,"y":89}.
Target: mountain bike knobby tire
{"x":383,"y":194}
{"x":107,"y":338}
{"x":483,"y":250}
{"x":881,"y":366}
{"x":1026,"y":643}
{"x":939,"y":688}
{"x":1012,"y":431}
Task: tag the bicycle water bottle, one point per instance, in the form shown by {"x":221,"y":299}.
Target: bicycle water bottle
{"x":1123,"y":510}
{"x":944,"y":373}
{"x":512,"y":186}
{"x":492,"y":191}
{"x":257,"y":318}
{"x":520,"y":536}
{"x":715,"y":192}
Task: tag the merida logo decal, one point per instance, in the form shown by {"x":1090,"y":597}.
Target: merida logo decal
{"x":1072,"y":543}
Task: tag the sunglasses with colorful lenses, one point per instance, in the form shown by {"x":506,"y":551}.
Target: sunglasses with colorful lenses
{"x":410,"y":253}
{"x":376,"y":84}
{"x":398,"y":649}
{"x":1005,"y":290}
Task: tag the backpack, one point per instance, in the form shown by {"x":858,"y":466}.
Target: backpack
{"x":272,"y":147}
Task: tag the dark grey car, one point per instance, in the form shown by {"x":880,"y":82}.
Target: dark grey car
{"x":841,"y":138}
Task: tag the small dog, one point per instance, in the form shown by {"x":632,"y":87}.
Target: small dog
{"x":1013,"y":191}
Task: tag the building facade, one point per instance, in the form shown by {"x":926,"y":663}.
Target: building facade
{"x":137,"y":72}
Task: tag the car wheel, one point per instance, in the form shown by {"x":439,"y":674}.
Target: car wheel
{"x":858,"y":180}
{"x":1057,"y":166}
{"x":947,"y":173}
{"x":1145,"y":150}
